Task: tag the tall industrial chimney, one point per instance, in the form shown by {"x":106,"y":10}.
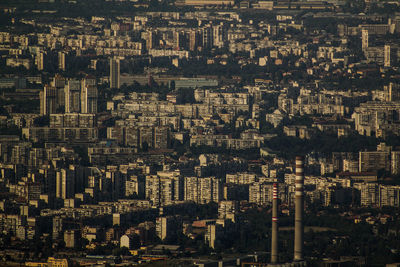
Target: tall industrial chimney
{"x":299,"y":210}
{"x":274,"y":238}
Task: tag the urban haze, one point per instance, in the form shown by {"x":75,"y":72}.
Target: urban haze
{"x":209,"y":133}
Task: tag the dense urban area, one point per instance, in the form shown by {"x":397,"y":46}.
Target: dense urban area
{"x":155,"y":132}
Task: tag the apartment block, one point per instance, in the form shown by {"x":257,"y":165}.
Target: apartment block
{"x":202,"y":190}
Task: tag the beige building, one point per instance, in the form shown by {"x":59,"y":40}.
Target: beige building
{"x":202,"y":190}
{"x":395,"y":162}
{"x":260,"y":193}
{"x":372,"y":117}
{"x":227,"y":209}
{"x":163,"y":190}
{"x":48,"y":100}
{"x":71,"y":238}
{"x":241,"y":178}
{"x":51,"y":262}
{"x":167,"y":227}
{"x":115,"y":73}
{"x":372,"y":161}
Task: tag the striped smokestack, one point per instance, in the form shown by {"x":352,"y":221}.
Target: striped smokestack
{"x":274,"y":238}
{"x":299,"y":210}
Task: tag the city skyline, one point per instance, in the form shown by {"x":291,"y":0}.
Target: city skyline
{"x":199,"y":133}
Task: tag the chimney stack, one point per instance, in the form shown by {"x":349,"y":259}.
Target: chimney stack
{"x":274,"y":238}
{"x":299,"y":210}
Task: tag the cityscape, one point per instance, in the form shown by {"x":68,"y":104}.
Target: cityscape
{"x":209,"y":133}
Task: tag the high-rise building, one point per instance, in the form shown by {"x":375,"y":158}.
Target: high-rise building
{"x":152,"y":189}
{"x":114,"y":73}
{"x":134,"y":185}
{"x":193,"y":40}
{"x":395,"y":162}
{"x":207,"y":37}
{"x":40,"y":58}
{"x":178,"y":40}
{"x":65,"y":183}
{"x":372,"y":116}
{"x":61,"y":60}
{"x":166,"y":227}
{"x":72,"y":92}
{"x":369,"y":194}
{"x":390,"y":54}
{"x":177,"y":183}
{"x":202,"y":190}
{"x":218,"y":35}
{"x":89,"y":99}
{"x":372,"y":161}
{"x":364,"y":39}
{"x":241,"y":178}
{"x":214,"y":231}
{"x":116,"y":183}
{"x":191,"y":189}
{"x":89,"y":95}
{"x":19,"y":153}
{"x":48,"y":100}
{"x":389,"y":196}
{"x":227,"y":209}
{"x":163,"y":190}
{"x":71,"y":238}
{"x":130,"y":136}
{"x":391,"y":92}
{"x":57,"y":227}
{"x":161,"y":137}
{"x":260,"y":193}
{"x":89,"y":80}
{"x":145,"y":137}
{"x":151,"y":40}
{"x":59,"y":83}
{"x":49,"y":181}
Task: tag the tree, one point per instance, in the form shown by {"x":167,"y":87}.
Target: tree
{"x":124,"y":251}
